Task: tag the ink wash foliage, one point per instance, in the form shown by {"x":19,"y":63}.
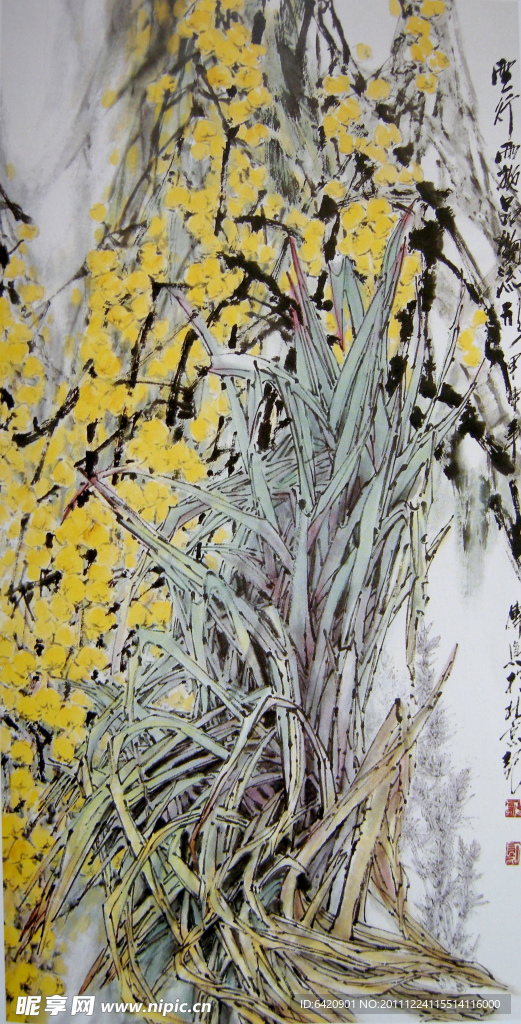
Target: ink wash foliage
{"x":437,"y":810}
{"x":220,"y":501}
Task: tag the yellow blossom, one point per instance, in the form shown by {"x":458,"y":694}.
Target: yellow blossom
{"x":426,"y":83}
{"x":99,"y":261}
{"x":378,"y":89}
{"x":98,"y":212}
{"x":22,"y":751}
{"x":432,"y":8}
{"x":109,"y":98}
{"x":62,"y":748}
{"x":439,"y":61}
{"x":336,"y":85}
{"x":220,"y":77}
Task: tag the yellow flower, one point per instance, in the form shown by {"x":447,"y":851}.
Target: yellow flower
{"x":421,"y":50}
{"x":5,"y":739}
{"x":13,"y":826}
{"x":28,"y":231}
{"x":24,"y":663}
{"x":260,"y":97}
{"x":97,"y":620}
{"x":22,"y":854}
{"x":152,"y":261}
{"x":22,"y":788}
{"x":32,"y":292}
{"x":241,"y":36}
{"x":161,"y":612}
{"x":50,"y":984}
{"x":15,"y":268}
{"x":336,"y":85}
{"x":110,"y":284}
{"x":33,"y":367}
{"x":239,"y":111}
{"x":426,"y":83}
{"x":439,"y":61}
{"x":386,"y":175}
{"x":480,"y":318}
{"x":19,"y":334}
{"x":349,"y":110}
{"x":248,"y":78}
{"x":378,"y":89}
{"x":48,"y":702}
{"x":92,"y":658}
{"x":120,"y":316}
{"x":109,"y":98}
{"x":353,"y":216}
{"x":387,"y":135}
{"x":54,"y":657}
{"x":138,"y":615}
{"x":220,"y":77}
{"x":62,"y":749}
{"x":177,"y":196}
{"x":5,"y":313}
{"x":11,"y":935}
{"x":335,"y":189}
{"x":226,"y":51}
{"x":98,"y":212}
{"x":99,"y":261}
{"x":432,"y":8}
{"x":107,"y":364}
{"x":417,"y":27}
{"x":156,"y":227}
{"x":411,"y":267}
{"x":63,"y":474}
{"x":138,"y":281}
{"x":363,"y":52}
{"x":70,"y":716}
{"x":255,"y":135}
{"x":22,"y":751}
{"x":362,"y":241}
{"x":65,"y":635}
{"x":18,"y":976}
{"x":157,"y":90}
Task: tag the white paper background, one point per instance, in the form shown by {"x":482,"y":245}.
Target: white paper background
{"x":48,"y":54}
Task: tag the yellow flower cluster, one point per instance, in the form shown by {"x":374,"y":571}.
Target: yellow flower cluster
{"x":31,"y":972}
{"x":471,"y":340}
{"x":367,"y":226}
{"x":423,"y":49}
{"x":206,"y":218}
{"x":64,"y":564}
{"x":344,"y":125}
{"x":405,"y":293}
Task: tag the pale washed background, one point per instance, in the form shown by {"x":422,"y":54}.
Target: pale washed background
{"x":57,"y":58}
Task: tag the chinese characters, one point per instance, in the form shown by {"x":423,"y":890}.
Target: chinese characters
{"x":30,"y":1005}
{"x":508,"y":172}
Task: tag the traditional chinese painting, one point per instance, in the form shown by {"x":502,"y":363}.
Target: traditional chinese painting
{"x":260,"y":651}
